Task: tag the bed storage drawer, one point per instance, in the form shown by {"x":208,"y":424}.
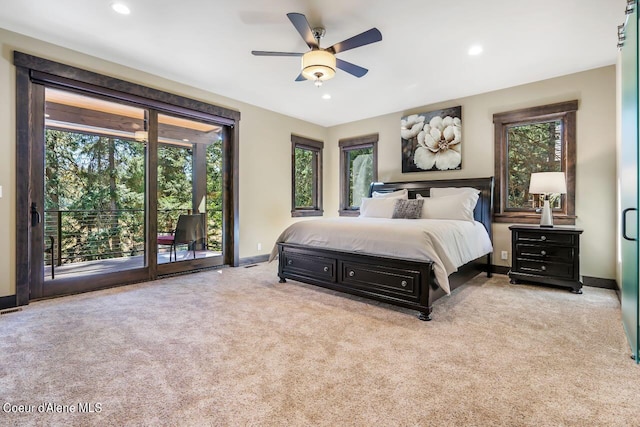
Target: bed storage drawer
{"x":382,"y":279}
{"x":298,"y":263}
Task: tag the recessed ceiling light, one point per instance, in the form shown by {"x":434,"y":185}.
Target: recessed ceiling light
{"x":121,"y":8}
{"x":475,"y":50}
{"x":185,"y":140}
{"x":47,"y":116}
{"x":326,"y":96}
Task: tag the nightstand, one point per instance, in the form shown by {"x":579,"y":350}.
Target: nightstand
{"x":548,"y":255}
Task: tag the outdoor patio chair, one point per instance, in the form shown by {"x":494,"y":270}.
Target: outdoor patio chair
{"x":187,"y":232}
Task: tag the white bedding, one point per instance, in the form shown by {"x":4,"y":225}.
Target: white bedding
{"x":448,"y":243}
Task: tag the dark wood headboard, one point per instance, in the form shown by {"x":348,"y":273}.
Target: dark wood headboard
{"x":483,"y":211}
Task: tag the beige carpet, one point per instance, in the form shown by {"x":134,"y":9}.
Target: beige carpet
{"x":235,"y":348}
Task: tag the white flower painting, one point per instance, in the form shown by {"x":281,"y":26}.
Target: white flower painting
{"x":411,"y":126}
{"x":432,"y":141}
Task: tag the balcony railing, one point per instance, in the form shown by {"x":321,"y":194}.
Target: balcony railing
{"x":89,"y":235}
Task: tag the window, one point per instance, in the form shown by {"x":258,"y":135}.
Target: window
{"x":306,"y":176}
{"x":358,"y":169}
{"x":538,"y":139}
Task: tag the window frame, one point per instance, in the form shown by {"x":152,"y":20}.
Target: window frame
{"x":346,"y":145}
{"x":316,"y":147}
{"x":566,"y":113}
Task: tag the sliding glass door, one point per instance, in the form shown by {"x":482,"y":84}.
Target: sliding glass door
{"x":629,"y":184}
{"x":88,"y":207}
{"x":189,"y":194}
{"x":94,"y":187}
{"x":117,"y":182}
{"x":100,"y":160}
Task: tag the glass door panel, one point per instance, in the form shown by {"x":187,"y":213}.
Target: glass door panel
{"x":94,"y":187}
{"x":214,"y":195}
{"x":189,"y":192}
{"x":629,"y":185}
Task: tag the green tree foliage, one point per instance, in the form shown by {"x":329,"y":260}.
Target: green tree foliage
{"x":92,"y":193}
{"x":95,"y":193}
{"x":214,"y":196}
{"x":175,"y":183}
{"x":534,"y":147}
{"x":304,"y":177}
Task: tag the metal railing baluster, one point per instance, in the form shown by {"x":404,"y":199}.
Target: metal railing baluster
{"x":84,"y":235}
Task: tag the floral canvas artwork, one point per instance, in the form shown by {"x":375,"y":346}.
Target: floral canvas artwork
{"x":432,"y":141}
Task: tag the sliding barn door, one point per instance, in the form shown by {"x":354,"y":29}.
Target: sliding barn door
{"x":629,"y":182}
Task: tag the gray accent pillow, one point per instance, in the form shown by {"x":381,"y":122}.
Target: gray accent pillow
{"x":408,"y":209}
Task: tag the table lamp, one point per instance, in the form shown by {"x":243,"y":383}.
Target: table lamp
{"x":547,"y":183}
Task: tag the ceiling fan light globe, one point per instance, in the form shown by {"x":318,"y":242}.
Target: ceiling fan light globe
{"x":318,"y":65}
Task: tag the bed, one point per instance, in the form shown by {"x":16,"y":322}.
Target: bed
{"x":413,"y":279}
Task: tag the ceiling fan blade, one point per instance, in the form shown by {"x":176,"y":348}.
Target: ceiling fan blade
{"x":371,"y":36}
{"x":267,"y":53}
{"x":302,"y":25}
{"x":350,"y":68}
{"x":300,"y":78}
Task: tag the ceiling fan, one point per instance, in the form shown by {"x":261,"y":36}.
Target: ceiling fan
{"x":320,"y":64}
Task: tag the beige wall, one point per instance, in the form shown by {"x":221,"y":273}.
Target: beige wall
{"x":265,"y":150}
{"x":596,"y":148}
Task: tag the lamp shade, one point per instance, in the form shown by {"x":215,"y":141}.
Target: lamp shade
{"x":548,"y":183}
{"x":318,"y":65}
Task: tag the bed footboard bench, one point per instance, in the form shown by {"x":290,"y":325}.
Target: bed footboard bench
{"x":405,"y":283}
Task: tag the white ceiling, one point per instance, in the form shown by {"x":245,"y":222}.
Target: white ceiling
{"x":422,"y":58}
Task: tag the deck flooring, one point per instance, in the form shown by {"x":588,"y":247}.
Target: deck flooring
{"x":86,"y":268}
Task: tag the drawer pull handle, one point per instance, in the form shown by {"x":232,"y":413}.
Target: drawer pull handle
{"x":352,"y":273}
{"x":543,"y":268}
{"x":543,"y":253}
{"x":404,"y":283}
{"x":543,"y":238}
{"x":290,"y":262}
{"x":326,"y":269}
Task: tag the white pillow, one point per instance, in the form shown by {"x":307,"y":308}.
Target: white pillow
{"x":399,"y":194}
{"x":377,"y":208}
{"x":456,"y":206}
{"x":448,"y":191}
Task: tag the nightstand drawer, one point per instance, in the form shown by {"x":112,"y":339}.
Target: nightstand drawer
{"x":546,"y":238}
{"x":545,"y":253}
{"x":555,"y":269}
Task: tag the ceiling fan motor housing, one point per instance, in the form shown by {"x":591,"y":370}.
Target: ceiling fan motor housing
{"x":318,"y":33}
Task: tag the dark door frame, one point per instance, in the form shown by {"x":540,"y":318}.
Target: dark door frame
{"x":32,"y":75}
